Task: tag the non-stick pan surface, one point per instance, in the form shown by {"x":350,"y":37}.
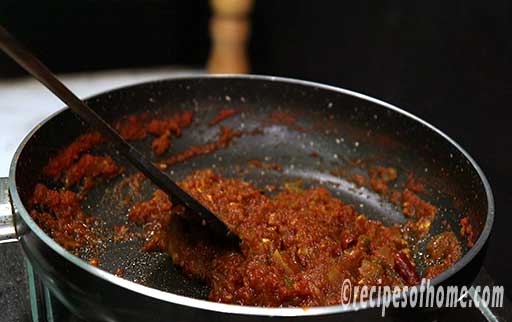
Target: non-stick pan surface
{"x":337,"y":133}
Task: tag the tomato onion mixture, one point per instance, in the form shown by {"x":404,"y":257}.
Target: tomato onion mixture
{"x":297,"y":246}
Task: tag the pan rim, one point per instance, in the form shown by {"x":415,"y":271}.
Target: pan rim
{"x":231,"y":308}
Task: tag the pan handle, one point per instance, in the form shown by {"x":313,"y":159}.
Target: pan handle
{"x":7,"y":226}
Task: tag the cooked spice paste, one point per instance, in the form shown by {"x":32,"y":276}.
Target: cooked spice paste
{"x":58,"y":212}
{"x":297,"y":247}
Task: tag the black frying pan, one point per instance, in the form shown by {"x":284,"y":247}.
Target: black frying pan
{"x":340,"y":126}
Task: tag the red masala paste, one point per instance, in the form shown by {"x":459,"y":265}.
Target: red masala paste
{"x":297,"y":246}
{"x":226,"y":135}
{"x":58,"y":212}
{"x":66,"y":157}
{"x":444,"y":251}
{"x":223,"y":114}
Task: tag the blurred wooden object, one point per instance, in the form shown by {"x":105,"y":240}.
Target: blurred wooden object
{"x":229,"y":32}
